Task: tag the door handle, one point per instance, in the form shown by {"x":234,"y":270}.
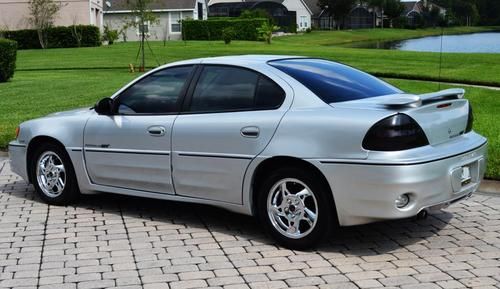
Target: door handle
{"x":250,"y":131}
{"x":156,"y":130}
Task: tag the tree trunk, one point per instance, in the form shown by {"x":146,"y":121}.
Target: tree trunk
{"x":41,"y":38}
{"x":143,"y":58}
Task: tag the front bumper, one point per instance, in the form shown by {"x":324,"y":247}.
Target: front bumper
{"x":365,"y":193}
{"x":17,"y":159}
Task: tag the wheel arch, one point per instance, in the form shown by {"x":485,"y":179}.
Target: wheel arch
{"x":273,"y":163}
{"x":34,"y":142}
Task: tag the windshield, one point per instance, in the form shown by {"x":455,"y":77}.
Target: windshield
{"x":334,"y":82}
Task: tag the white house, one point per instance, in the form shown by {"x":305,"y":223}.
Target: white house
{"x":283,"y":11}
{"x":169,"y":12}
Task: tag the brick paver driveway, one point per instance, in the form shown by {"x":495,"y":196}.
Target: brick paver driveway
{"x":109,"y":241}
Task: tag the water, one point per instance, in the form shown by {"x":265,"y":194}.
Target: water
{"x":485,"y":42}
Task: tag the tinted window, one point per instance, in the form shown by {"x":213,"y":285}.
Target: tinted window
{"x":269,"y":94}
{"x":225,"y":88}
{"x":157,"y":93}
{"x":334,"y":82}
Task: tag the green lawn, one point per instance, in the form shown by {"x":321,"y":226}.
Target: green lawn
{"x":463,"y":68}
{"x":58,"y":79}
{"x":346,"y":36}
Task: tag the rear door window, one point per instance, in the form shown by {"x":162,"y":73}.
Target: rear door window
{"x":227,"y":88}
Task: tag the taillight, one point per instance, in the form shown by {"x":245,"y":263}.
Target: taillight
{"x":395,"y":133}
{"x":17,"y":132}
{"x":470,"y":120}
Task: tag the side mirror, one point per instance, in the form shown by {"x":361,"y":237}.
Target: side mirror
{"x":104,"y":106}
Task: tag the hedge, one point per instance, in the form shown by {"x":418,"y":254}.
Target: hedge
{"x":8,"y":52}
{"x":244,"y":29}
{"x":58,"y":37}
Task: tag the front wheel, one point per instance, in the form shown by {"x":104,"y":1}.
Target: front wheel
{"x":53,"y":175}
{"x":295,"y":207}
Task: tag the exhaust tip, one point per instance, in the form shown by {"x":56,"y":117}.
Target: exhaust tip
{"x":422,"y":215}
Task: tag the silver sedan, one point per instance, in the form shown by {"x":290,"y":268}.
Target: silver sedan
{"x":303,"y":144}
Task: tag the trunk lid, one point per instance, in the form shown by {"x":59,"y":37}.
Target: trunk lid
{"x":443,"y":115}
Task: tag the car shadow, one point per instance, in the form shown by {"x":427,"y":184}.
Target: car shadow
{"x":364,"y":240}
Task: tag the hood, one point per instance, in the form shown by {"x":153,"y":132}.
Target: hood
{"x":73,"y":112}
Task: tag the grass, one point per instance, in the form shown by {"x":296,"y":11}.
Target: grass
{"x":52,"y":80}
{"x":457,"y":67}
{"x":347,"y":36}
{"x":33,"y":94}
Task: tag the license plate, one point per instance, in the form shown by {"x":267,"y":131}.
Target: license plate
{"x":466,"y":178}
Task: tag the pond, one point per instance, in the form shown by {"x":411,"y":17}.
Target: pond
{"x":485,"y":42}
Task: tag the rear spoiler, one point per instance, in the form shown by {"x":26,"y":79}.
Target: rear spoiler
{"x":412,"y":100}
{"x":447,"y":94}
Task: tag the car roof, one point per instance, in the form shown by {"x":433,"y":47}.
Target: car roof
{"x":250,"y":59}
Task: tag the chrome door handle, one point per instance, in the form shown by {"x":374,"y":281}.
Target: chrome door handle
{"x":250,"y":131}
{"x":156,"y":130}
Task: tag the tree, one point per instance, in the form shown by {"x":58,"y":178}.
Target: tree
{"x":42,"y":16}
{"x":465,"y":12}
{"x":143,"y":16}
{"x":393,"y":9}
{"x":378,"y":4}
{"x":77,"y":32}
{"x":266,"y":31}
{"x":338,"y":8}
{"x":390,"y":8}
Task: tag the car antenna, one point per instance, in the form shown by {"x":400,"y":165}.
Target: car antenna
{"x":440,"y":58}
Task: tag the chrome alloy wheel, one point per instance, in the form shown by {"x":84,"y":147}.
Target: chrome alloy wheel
{"x":292,"y":208}
{"x":50,"y":174}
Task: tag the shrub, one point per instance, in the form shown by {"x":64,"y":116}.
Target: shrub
{"x":255,"y":13}
{"x":243,"y":29}
{"x":266,"y":31}
{"x":58,"y":37}
{"x":109,"y":35}
{"x":26,"y":39}
{"x":8,"y":52}
{"x":227,"y":34}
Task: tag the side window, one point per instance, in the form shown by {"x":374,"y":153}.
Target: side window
{"x":226,"y":88}
{"x":157,"y":93}
{"x":269,"y":95}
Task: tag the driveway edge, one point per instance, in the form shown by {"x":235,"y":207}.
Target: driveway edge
{"x":490,"y":186}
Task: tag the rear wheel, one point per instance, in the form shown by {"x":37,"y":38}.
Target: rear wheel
{"x":295,"y":207}
{"x":53,"y":175}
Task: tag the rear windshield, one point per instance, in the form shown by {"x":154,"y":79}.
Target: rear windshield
{"x":333,"y":82}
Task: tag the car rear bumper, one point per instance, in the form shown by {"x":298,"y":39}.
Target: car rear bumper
{"x":17,"y":159}
{"x":367,"y":192}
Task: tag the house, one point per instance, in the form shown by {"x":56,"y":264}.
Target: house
{"x":284,"y":12}
{"x":14,"y":14}
{"x":320,"y":18}
{"x":414,"y":9}
{"x":169,"y":14}
{"x":361,"y":16}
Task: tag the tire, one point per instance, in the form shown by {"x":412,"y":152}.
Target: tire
{"x":280,"y":212}
{"x":55,"y":183}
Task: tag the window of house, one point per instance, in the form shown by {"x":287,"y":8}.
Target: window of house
{"x":225,"y":88}
{"x":200,"y":11}
{"x":159,"y":92}
{"x":142,"y":26}
{"x":175,"y":24}
{"x":303,"y":21}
